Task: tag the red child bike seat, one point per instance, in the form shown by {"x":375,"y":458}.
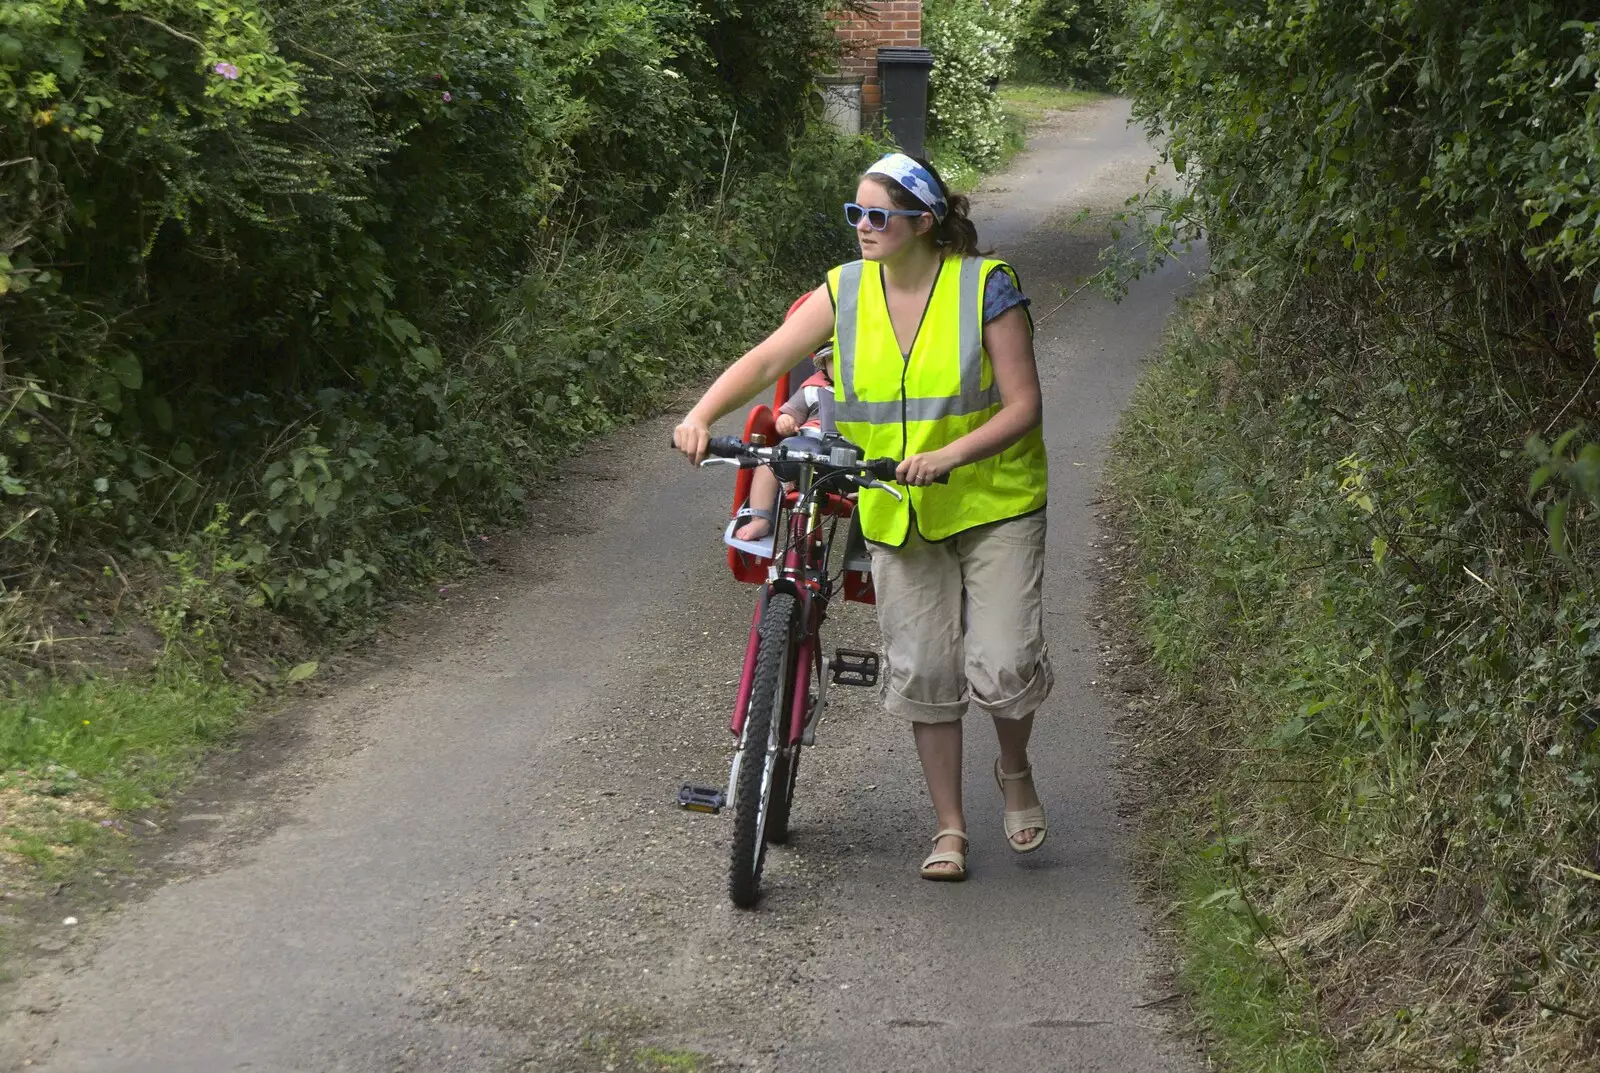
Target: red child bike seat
{"x":762,"y":421}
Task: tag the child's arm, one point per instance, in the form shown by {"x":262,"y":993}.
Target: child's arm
{"x":794,"y":413}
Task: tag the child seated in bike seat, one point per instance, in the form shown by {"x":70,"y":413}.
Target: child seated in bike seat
{"x":803,"y":421}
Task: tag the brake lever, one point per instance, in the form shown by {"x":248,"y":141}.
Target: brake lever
{"x":719,"y":461}
{"x":887,"y":488}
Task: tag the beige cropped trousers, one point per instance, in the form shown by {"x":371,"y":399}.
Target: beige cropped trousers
{"x":963,"y":620}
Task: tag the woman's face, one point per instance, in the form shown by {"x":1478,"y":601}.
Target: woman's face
{"x":903,"y":231}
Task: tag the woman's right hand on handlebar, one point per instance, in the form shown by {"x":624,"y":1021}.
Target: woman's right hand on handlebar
{"x":692,"y":437}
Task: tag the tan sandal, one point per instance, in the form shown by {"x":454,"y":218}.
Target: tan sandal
{"x":1028,"y":819}
{"x":955,"y":857}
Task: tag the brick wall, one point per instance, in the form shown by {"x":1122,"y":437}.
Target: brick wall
{"x":884,"y":24}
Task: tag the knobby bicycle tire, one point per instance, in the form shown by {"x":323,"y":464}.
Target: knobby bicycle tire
{"x":768,"y":694}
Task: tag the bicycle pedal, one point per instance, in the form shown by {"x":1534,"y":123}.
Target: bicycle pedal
{"x":700,"y":799}
{"x":852,"y":668}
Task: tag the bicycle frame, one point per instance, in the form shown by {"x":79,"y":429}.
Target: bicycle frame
{"x":804,"y":574}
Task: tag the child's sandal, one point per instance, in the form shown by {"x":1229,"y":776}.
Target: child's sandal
{"x":747,"y":515}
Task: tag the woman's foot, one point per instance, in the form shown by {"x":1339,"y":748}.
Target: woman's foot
{"x":1024,"y":815}
{"x":948,"y":861}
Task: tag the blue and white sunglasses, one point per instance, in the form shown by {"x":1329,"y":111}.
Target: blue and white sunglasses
{"x":877,"y":219}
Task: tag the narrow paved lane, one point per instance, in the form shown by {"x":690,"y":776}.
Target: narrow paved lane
{"x":471,"y":861}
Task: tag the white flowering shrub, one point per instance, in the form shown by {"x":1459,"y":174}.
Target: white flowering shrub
{"x":972,"y":42}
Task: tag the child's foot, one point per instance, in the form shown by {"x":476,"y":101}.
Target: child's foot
{"x":755,"y":530}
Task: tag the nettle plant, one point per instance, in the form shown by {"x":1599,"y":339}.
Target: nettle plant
{"x":972,"y":42}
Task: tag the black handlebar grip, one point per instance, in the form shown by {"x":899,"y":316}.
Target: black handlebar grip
{"x":725,"y":446}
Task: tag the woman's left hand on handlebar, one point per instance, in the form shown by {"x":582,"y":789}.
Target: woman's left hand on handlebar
{"x":923,"y":469}
{"x":692,"y":438}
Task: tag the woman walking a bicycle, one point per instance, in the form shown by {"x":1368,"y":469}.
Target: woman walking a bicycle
{"x":934,"y":364}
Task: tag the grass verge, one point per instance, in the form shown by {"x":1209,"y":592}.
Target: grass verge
{"x":624,"y":1057}
{"x":121,"y":745}
{"x":77,"y":758}
{"x":1249,"y":1000}
{"x":1031,"y":102}
{"x":1255,"y":1012}
{"x":1378,"y":820}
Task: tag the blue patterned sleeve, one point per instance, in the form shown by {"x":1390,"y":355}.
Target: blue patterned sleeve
{"x":1000,"y":294}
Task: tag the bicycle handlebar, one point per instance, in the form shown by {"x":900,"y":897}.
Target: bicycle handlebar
{"x":838,"y":456}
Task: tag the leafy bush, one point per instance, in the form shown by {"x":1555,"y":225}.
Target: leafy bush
{"x":1395,"y":673}
{"x":372,"y":481}
{"x":1067,"y":42}
{"x":336,"y":265}
{"x":1353,"y":520}
{"x":1380,"y":140}
{"x":972,"y":43}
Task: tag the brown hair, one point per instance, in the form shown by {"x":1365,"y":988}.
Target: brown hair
{"x":957,"y":234}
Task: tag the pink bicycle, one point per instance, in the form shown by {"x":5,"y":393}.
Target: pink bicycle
{"x":783,"y":688}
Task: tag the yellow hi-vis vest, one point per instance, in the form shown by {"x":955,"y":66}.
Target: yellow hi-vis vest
{"x":895,"y":405}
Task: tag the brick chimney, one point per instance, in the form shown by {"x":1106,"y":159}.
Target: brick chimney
{"x":880,"y":24}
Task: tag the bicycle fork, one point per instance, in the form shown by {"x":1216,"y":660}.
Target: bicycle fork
{"x":801,"y":718}
{"x":805,"y":706}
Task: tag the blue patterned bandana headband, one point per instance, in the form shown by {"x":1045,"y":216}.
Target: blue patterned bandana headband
{"x":917,"y":180}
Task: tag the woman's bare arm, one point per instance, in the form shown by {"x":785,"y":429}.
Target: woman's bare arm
{"x":795,"y":340}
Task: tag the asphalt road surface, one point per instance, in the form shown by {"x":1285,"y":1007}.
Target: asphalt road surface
{"x":463,"y":854}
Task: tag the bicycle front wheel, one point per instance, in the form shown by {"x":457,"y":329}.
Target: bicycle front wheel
{"x":760,"y":746}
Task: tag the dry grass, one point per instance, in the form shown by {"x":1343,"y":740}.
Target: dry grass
{"x":50,"y":826}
